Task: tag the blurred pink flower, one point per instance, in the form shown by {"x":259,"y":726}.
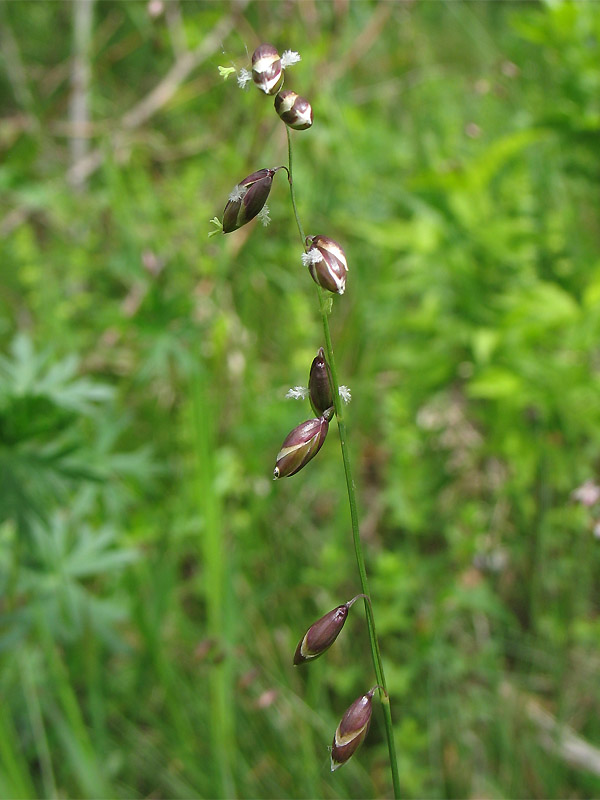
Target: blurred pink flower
{"x":588,"y":494}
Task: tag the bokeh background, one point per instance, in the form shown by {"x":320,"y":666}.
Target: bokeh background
{"x":154,"y":580}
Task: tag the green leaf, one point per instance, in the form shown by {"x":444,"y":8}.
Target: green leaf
{"x":495,"y":383}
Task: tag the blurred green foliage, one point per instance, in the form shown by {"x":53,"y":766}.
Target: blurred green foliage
{"x":154,"y":581}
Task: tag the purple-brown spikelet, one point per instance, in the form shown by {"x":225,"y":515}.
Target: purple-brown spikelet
{"x":267,"y":70}
{"x":326,"y":262}
{"x":323,"y":633}
{"x":319,"y":384}
{"x":301,"y":445}
{"x":247,"y":199}
{"x":352,"y":730}
{"x":294,"y":110}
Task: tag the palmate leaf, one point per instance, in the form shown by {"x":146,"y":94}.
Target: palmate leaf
{"x":28,"y":374}
{"x":34,"y":479}
{"x":71,"y":549}
{"x":56,"y":435}
{"x":67,"y":568}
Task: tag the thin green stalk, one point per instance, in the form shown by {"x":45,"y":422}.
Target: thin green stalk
{"x":69,"y":723}
{"x":217,"y":589}
{"x":37,"y":725}
{"x":15,"y":773}
{"x":325,"y":307}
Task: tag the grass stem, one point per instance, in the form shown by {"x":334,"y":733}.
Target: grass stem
{"x":325,"y":307}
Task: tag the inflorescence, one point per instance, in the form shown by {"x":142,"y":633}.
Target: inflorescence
{"x":328,"y":267}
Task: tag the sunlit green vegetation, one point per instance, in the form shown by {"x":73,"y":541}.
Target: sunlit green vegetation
{"x":154,"y":581}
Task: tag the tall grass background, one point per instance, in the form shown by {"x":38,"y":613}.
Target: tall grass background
{"x":154,"y":581}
